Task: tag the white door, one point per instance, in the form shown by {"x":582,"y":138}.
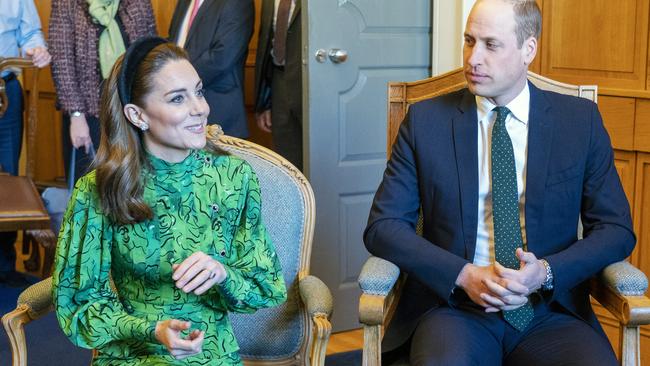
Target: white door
{"x":345,"y":122}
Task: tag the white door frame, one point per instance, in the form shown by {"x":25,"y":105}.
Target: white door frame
{"x":448,"y":23}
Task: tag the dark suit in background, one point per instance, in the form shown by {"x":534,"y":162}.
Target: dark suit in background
{"x":279,"y":88}
{"x":217,"y":43}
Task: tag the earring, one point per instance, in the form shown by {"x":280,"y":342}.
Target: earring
{"x":143,"y":126}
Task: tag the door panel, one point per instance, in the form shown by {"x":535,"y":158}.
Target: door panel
{"x":345,"y":123}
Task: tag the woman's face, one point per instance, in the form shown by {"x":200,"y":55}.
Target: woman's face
{"x":175,"y":111}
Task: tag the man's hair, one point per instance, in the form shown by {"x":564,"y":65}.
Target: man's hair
{"x":528,"y":18}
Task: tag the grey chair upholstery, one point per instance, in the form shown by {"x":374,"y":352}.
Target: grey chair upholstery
{"x":287,"y":332}
{"x":294,"y":333}
{"x":620,"y":288}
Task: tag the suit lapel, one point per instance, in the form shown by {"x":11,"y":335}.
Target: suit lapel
{"x":465,"y":141}
{"x":266,"y":28}
{"x":540,"y":138}
{"x":177,"y":20}
{"x":202,"y":13}
{"x":296,"y":13}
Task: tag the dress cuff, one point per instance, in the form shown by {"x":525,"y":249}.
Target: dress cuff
{"x":231,"y":286}
{"x":136,"y":328}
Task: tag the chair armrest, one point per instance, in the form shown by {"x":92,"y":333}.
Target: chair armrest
{"x":625,"y":279}
{"x":318,"y":299}
{"x":37,"y":298}
{"x":620,"y":288}
{"x":378,"y":276}
{"x":380,"y":283}
{"x":32,"y":303}
{"x":316,"y":296}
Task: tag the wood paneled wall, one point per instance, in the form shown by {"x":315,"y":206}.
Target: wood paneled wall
{"x":49,"y":155}
{"x":596,"y":41}
{"x":605,"y":43}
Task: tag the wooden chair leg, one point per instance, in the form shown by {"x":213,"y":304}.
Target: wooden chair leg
{"x":630,"y":343}
{"x":48,"y":262}
{"x":371,"y":345}
{"x":29,"y":244}
{"x":47,"y":239}
{"x":323,"y":329}
{"x":14,"y":326}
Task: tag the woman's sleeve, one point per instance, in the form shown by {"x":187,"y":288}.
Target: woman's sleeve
{"x":88,"y":310}
{"x":64,"y":71}
{"x":254,"y":280}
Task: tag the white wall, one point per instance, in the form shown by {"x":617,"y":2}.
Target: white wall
{"x":448,"y":24}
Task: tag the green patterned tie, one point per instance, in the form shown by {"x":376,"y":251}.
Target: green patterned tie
{"x":505,"y":210}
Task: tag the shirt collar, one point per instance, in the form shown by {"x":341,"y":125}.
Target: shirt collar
{"x":519,"y":107}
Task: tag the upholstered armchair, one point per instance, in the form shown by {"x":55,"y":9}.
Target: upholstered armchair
{"x":620,"y":288}
{"x":295,"y":333}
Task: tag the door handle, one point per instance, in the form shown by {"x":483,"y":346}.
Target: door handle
{"x":320,"y":55}
{"x":337,"y":56}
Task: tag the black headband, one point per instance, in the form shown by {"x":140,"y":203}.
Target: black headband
{"x":134,"y":55}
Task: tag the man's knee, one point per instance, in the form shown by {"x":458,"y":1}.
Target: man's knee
{"x":454,"y":337}
{"x":456,"y":359}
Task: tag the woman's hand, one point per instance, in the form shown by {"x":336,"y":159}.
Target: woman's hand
{"x":198,"y":273}
{"x":168,"y":332}
{"x":79,"y":132}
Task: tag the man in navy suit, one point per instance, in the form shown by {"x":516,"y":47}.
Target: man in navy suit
{"x":461,"y":305}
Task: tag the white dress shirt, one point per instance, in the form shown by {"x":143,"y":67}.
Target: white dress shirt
{"x":517,"y":127}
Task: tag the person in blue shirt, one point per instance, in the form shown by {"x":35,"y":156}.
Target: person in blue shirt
{"x":20,"y":35}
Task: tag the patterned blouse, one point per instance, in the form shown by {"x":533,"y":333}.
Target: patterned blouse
{"x":208,"y":203}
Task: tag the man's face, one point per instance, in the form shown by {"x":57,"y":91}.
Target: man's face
{"x":494,"y":64}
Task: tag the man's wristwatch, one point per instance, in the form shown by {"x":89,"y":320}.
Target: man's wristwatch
{"x":75,"y":114}
{"x":547,"y":285}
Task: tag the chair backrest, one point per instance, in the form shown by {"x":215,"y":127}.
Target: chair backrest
{"x":32,"y":106}
{"x":281,"y":333}
{"x":402,"y":94}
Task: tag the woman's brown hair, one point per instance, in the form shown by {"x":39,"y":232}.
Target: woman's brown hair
{"x":121,"y":156}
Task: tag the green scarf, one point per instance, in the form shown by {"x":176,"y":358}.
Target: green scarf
{"x":111,"y":44}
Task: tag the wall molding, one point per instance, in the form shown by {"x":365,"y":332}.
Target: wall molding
{"x":447,"y":24}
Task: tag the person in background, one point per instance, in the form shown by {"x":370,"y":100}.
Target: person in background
{"x":175,"y":223}
{"x":278,"y":77}
{"x":215,"y":34}
{"x":20,"y":35}
{"x":501,"y":172}
{"x":86,"y":37}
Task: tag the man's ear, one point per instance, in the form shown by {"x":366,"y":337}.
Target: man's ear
{"x":529,"y":50}
{"x":136,"y":116}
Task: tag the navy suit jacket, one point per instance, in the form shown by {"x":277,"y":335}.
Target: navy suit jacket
{"x":217,"y":44}
{"x":570,"y":173}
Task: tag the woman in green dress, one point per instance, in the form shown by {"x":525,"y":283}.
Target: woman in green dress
{"x":174,"y":221}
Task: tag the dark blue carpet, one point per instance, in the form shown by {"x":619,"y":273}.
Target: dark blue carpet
{"x":352,"y":358}
{"x":46,"y":343}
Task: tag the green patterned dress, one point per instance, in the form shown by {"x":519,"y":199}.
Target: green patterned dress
{"x":208,"y":203}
